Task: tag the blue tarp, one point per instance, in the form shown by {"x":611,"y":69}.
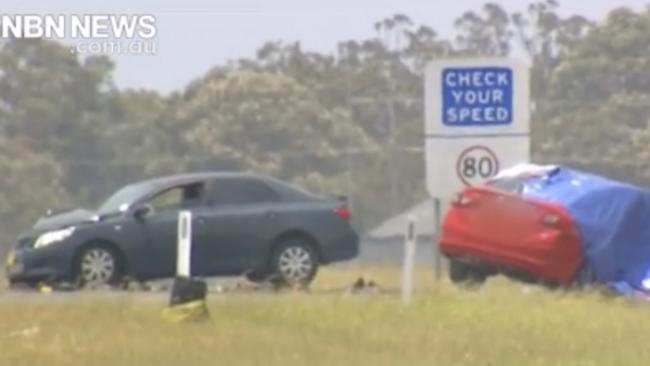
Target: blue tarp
{"x":613,"y":219}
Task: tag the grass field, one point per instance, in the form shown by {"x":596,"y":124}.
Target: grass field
{"x":502,"y":324}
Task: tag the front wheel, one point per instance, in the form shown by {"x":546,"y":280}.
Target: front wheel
{"x":98,"y":265}
{"x":295,"y":262}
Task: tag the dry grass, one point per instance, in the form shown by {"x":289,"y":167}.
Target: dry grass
{"x":502,"y":324}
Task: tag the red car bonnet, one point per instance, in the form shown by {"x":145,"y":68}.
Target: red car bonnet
{"x":507,"y":230}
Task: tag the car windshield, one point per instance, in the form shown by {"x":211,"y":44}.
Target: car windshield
{"x":123,"y":199}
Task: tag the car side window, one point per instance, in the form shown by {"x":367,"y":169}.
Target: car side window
{"x":233,"y":191}
{"x":178,"y":197}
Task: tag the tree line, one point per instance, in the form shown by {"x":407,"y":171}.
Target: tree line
{"x":348,"y":122}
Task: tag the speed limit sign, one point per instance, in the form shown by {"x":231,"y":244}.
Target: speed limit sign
{"x":455,"y":163}
{"x":476,"y":164}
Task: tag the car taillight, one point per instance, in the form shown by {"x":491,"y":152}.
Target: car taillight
{"x":343,"y":212}
{"x":461,"y":200}
{"x":551,"y":219}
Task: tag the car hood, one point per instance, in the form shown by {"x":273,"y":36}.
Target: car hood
{"x":65,"y":219}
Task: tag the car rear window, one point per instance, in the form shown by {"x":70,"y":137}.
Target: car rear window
{"x":510,"y":184}
{"x":230,"y":191}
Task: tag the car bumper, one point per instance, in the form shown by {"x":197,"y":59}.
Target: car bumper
{"x":551,"y":256}
{"x":34,"y":265}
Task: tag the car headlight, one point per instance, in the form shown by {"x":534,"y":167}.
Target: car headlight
{"x":55,"y":236}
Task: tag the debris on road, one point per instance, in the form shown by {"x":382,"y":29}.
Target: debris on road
{"x":362,"y":286}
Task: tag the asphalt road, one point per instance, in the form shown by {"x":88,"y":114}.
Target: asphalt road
{"x":372,"y":254}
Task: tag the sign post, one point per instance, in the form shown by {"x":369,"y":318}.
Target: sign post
{"x":477,"y":114}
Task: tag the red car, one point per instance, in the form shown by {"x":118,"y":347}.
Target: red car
{"x":493,"y":229}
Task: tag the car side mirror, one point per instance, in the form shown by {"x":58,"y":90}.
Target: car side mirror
{"x":142,"y":211}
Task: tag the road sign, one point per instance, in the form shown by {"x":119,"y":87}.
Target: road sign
{"x":477,"y":96}
{"x":471,"y":161}
{"x":476,"y":121}
{"x":476,"y":164}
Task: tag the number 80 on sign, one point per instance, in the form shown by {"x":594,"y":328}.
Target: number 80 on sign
{"x":476,"y":164}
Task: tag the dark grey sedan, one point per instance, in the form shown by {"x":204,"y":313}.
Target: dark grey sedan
{"x":241,"y":224}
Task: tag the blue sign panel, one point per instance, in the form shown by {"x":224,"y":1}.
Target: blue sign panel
{"x":477,"y":96}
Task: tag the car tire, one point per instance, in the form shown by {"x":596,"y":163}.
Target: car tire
{"x":584,"y":277}
{"x":458,"y":271}
{"x":98,"y":265}
{"x":294,"y":262}
{"x":18,"y":285}
{"x":256,"y":276}
{"x":466,"y":275}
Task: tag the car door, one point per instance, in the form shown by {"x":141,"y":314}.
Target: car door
{"x":159,"y":227}
{"x":242,"y":217}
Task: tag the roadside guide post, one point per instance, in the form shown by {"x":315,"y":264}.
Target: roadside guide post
{"x":184,"y":250}
{"x":409,"y":259}
{"x":187,"y":302}
{"x":477,"y":114}
{"x":437,"y":259}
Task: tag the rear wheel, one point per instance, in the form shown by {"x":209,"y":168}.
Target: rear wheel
{"x":464,"y":274}
{"x":98,"y":265}
{"x":295,"y":262}
{"x":458,"y":271}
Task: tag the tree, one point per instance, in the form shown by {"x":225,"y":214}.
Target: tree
{"x":31,"y":183}
{"x":598,"y":103}
{"x":547,"y":39}
{"x":265,"y":122}
{"x":58,"y":105}
{"x":142,"y":144}
{"x":488,"y":33}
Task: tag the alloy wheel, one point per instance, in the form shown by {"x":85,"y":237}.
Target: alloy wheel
{"x":295,"y":264}
{"x":97,"y":266}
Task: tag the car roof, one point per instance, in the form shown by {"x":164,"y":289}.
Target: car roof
{"x":179,"y":179}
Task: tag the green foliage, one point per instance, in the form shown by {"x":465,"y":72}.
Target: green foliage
{"x":31,"y":182}
{"x":58,"y":105}
{"x":599,"y":95}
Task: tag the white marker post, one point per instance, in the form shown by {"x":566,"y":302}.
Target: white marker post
{"x":184,"y":247}
{"x":437,"y":256}
{"x":409,"y":258}
{"x":187,"y":302}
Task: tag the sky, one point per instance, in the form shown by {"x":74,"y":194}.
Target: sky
{"x":195,"y":35}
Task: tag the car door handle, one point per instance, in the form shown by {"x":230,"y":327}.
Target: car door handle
{"x":271,"y":214}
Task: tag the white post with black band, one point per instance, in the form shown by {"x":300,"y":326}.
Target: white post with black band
{"x":409,"y":259}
